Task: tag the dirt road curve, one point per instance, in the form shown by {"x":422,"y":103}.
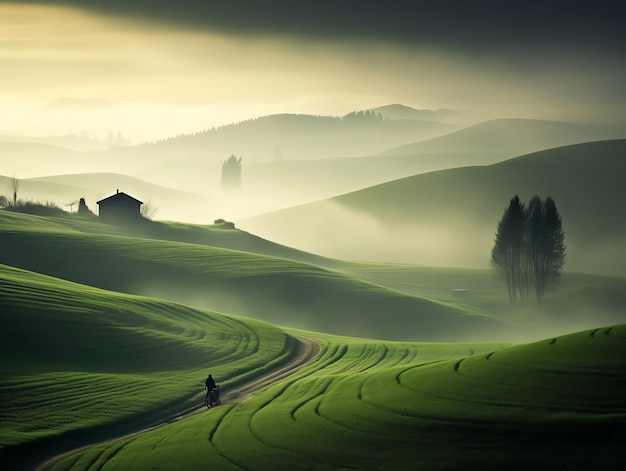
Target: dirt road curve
{"x":306,"y":352}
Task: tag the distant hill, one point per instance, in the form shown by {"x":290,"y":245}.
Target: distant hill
{"x":73,"y":142}
{"x":287,"y":159}
{"x":294,"y":137}
{"x":449,"y":217}
{"x":398,"y":111}
{"x":500,"y":139}
{"x":273,"y":185}
{"x":31,"y":159}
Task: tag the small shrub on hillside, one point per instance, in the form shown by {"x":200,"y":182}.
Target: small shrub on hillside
{"x":223,"y":224}
{"x":37,"y":208}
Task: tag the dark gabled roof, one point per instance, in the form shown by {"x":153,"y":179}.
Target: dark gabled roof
{"x":120,"y":195}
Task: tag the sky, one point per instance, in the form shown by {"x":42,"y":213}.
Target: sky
{"x":154,"y":69}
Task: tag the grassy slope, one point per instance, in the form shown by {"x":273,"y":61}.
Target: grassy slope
{"x":449,"y":217}
{"x":579,"y":301}
{"x":272,"y":289}
{"x":554,"y":404}
{"x":79,"y":358}
{"x":358,"y":415}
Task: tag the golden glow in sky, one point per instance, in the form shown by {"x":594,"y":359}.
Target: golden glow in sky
{"x":66,"y":70}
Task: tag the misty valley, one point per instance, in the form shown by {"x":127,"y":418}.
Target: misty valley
{"x":393,"y":288}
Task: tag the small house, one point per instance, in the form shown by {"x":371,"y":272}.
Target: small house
{"x":119,"y":208}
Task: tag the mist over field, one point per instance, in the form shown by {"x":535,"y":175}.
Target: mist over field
{"x":397,"y":224}
{"x":396,"y":142}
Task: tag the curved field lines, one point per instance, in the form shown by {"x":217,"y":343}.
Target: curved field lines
{"x":286,"y":423}
{"x":78,"y":361}
{"x":373,"y":405}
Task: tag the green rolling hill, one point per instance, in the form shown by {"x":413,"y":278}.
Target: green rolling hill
{"x":80,"y":363}
{"x":78,"y":360}
{"x":553,"y":404}
{"x":277,"y":290}
{"x":449,"y":217}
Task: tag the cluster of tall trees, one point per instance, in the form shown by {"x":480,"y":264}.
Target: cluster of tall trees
{"x":529,"y":250}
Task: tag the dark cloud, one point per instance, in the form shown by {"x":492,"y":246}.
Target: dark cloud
{"x":462,"y":25}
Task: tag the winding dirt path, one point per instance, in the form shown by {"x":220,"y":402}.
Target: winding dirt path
{"x":306,"y":352}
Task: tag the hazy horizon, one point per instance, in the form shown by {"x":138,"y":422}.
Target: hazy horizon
{"x":149,"y":70}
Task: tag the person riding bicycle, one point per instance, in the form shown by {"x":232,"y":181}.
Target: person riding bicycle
{"x":210,"y":385}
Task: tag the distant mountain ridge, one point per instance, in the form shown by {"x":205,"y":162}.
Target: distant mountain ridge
{"x":296,"y":136}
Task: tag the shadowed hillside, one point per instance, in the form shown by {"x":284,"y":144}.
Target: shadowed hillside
{"x":449,"y":217}
{"x":276,"y":290}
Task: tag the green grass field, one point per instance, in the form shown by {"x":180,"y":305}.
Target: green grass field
{"x":554,"y":404}
{"x":277,"y":290}
{"x":80,"y":363}
{"x":79,"y":358}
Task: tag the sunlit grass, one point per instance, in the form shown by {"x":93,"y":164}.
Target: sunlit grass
{"x":76,"y":357}
{"x":379,"y":405}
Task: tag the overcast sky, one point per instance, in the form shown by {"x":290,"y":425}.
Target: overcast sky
{"x":152,"y":69}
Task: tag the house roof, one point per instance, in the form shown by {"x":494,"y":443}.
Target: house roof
{"x":119,"y":195}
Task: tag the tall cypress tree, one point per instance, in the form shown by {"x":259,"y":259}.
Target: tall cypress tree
{"x":506,"y":255}
{"x":535,"y":257}
{"x":553,"y":248}
{"x":529,"y":248}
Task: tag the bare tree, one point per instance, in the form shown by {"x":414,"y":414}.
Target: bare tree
{"x":15,"y":186}
{"x":148,"y":210}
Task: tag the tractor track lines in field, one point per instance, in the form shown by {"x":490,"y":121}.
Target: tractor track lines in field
{"x":326,"y":384}
{"x":337,"y":353}
{"x":307,"y":352}
{"x":220,"y":453}
{"x":398,"y":378}
{"x":408,"y":355}
{"x":218,"y":422}
{"x":108,"y":454}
